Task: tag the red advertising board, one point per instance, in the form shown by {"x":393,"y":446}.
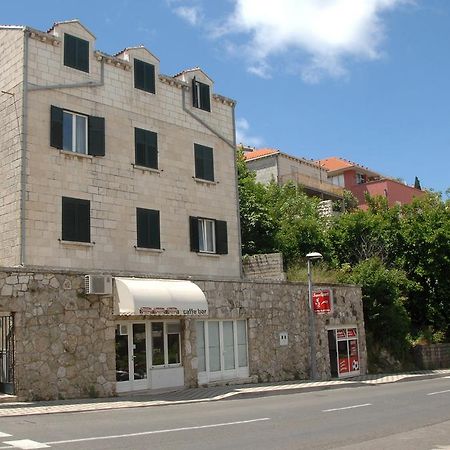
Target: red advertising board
{"x":321,"y":300}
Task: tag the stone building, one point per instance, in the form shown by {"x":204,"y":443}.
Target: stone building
{"x":119,"y":244}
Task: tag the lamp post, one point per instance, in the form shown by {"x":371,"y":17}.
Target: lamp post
{"x":312,"y":324}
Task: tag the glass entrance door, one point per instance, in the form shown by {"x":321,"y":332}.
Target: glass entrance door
{"x":148,"y":355}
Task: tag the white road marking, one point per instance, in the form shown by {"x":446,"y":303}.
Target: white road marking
{"x":439,"y":392}
{"x":26,"y":444}
{"x":4,"y":434}
{"x":145,"y":433}
{"x":346,"y":407}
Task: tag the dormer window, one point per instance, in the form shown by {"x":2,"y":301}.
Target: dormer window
{"x":200,"y":95}
{"x":76,"y":53}
{"x":144,"y":76}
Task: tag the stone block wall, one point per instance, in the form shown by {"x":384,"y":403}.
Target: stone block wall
{"x":267,"y":266}
{"x":11,"y":78}
{"x":432,"y":356}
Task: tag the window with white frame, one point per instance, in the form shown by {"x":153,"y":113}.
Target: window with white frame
{"x":75,"y":136}
{"x":206,"y":236}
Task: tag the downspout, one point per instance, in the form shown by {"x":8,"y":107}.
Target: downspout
{"x":23,"y":172}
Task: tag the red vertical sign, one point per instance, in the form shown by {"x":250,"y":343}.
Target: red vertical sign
{"x":321,"y":300}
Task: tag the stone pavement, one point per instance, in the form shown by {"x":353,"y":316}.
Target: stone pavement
{"x":145,"y":399}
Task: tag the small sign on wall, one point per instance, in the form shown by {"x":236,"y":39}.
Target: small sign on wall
{"x":283,"y":338}
{"x":322,"y":301}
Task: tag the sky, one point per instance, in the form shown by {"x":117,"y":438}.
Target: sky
{"x":364,"y":80}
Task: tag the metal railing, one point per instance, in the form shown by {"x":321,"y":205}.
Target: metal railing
{"x":312,"y":183}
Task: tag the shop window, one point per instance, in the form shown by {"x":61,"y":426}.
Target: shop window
{"x":78,"y":133}
{"x":144,"y":76}
{"x":344,"y":353}
{"x":76,"y":53}
{"x":222,"y":348}
{"x":204,"y":163}
{"x":76,"y":220}
{"x":148,"y":228}
{"x":208,"y":235}
{"x":201,"y":95}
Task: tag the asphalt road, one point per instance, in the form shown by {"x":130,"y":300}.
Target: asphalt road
{"x":408,"y":415}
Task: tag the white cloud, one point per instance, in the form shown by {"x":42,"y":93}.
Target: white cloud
{"x":322,"y":34}
{"x":190,"y":14}
{"x":242,"y":135}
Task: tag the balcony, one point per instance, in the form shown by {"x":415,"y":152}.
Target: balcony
{"x":313,"y":185}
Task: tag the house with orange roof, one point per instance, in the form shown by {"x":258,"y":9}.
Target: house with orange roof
{"x":273,"y":165}
{"x":361,"y":180}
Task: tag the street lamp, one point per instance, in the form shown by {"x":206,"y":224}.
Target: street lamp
{"x":312,"y":325}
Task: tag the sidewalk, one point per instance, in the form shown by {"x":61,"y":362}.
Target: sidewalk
{"x":193,"y":395}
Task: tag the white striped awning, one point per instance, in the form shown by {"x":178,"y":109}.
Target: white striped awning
{"x":145,"y":296}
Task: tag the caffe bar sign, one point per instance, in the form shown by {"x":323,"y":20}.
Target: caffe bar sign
{"x":171,"y":311}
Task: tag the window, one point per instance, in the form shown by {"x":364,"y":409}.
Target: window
{"x":148,"y":228}
{"x":360,"y":178}
{"x":204,"y":163}
{"x":208,"y":235}
{"x":144,"y":76}
{"x":200,"y":95}
{"x":146,"y":148}
{"x":76,"y":132}
{"x":222,"y":348}
{"x":76,"y":53}
{"x":76,"y":220}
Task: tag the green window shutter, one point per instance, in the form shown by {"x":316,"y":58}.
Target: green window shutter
{"x":144,"y":76}
{"x":148,"y":228}
{"x":193,"y":232}
{"x":96,"y":136}
{"x":194,"y":94}
{"x":204,"y":162}
{"x":146,"y":148}
{"x":221,"y":237}
{"x":56,"y":127}
{"x":83,"y":55}
{"x":70,"y":50}
{"x":76,"y":53}
{"x":76,"y":221}
{"x":205,"y":102}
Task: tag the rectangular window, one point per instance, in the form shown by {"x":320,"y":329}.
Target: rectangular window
{"x":78,"y":133}
{"x":76,"y":53}
{"x":173,"y":343}
{"x":74,"y":132}
{"x":76,"y":220}
{"x":144,"y":76}
{"x":158,"y":344}
{"x":148,"y":228}
{"x":201,"y":95}
{"x":146,"y":148}
{"x":204,"y":163}
{"x":208,"y":235}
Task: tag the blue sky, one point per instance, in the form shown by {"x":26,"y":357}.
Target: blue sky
{"x":366,"y":80}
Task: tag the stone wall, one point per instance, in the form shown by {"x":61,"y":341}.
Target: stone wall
{"x":267,"y":266}
{"x":65,"y":340}
{"x":432,"y":356}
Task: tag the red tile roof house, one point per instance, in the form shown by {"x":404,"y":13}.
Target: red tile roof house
{"x":271,"y":164}
{"x":361,"y":180}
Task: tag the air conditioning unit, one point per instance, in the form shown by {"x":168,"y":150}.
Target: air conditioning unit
{"x":98,"y":284}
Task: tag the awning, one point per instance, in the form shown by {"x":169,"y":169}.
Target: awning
{"x":143,"y":296}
